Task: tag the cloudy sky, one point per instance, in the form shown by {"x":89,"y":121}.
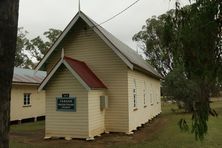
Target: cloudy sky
{"x":37,"y":16}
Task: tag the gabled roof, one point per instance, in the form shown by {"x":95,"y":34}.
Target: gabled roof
{"x":85,"y":73}
{"x":80,"y":71}
{"x":128,"y":55}
{"x":27,"y":76}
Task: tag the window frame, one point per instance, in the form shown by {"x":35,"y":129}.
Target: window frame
{"x":26,"y":99}
{"x":151,"y":95}
{"x":151,"y":99}
{"x":158,"y":98}
{"x":145,"y":94}
{"x":134,"y":95}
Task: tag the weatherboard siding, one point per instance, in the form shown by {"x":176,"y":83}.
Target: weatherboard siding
{"x":66,"y":124}
{"x":53,"y":59}
{"x":96,"y":115}
{"x":37,"y":102}
{"x":83,"y":44}
{"x":143,"y":112}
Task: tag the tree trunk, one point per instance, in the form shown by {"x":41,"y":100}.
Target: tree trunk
{"x":8,"y":33}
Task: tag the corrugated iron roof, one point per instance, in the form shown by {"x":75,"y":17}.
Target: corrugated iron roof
{"x":128,"y":52}
{"x":125,"y":51}
{"x":22,"y":75}
{"x":85,"y":73}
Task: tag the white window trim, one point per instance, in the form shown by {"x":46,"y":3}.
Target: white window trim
{"x":134,"y":95}
{"x":26,"y":97}
{"x":158,"y":98}
{"x":152,"y":95}
{"x":145,"y":95}
{"x":151,"y":99}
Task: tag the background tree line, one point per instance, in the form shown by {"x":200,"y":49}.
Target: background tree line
{"x":185,"y":47}
{"x":30,"y":51}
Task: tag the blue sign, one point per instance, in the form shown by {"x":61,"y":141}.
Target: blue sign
{"x":67,"y":104}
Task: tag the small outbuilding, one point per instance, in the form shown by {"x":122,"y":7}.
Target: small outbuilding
{"x":26,"y":102}
{"x":96,"y":84}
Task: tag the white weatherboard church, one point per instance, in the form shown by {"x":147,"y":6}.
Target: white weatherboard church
{"x":96,"y":84}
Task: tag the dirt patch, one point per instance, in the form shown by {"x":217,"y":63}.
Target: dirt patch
{"x":143,"y":133}
{"x":31,"y":137}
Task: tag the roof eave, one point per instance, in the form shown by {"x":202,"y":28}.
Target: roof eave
{"x":76,"y":76}
{"x":98,"y":88}
{"x":57,"y":42}
{"x":107,"y":41}
{"x":51,"y":73}
{"x":25,"y":83}
{"x":100,"y":34}
{"x":138,"y":68}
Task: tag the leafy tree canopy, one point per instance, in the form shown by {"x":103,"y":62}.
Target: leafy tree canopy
{"x":21,"y":58}
{"x":199,"y":50}
{"x":35,"y":48}
{"x":156,"y":43}
{"x":190,"y":39}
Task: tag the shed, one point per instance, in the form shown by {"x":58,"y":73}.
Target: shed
{"x":26,"y":101}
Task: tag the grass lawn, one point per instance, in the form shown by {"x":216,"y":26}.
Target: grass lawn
{"x":163,"y":132}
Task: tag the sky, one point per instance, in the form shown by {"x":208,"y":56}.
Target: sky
{"x":37,"y":16}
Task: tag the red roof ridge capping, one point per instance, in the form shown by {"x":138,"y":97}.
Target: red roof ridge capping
{"x":85,"y":73}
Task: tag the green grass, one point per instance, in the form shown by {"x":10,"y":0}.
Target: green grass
{"x":172,"y":137}
{"x":30,"y":128}
{"x":168,"y":136}
{"x":27,"y":127}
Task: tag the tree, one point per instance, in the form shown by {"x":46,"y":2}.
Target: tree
{"x":176,"y":86}
{"x":193,"y":36}
{"x":35,"y":48}
{"x":156,"y":43}
{"x":198,"y":51}
{"x":158,"y":40}
{"x":21,"y":58}
{"x":38,"y":47}
{"x":8,"y":27}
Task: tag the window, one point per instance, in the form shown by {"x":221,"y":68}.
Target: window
{"x":155,"y":98}
{"x":151,"y":95}
{"x":144,"y":94}
{"x":27,"y":99}
{"x":151,"y":99}
{"x":158,"y":98}
{"x":134,"y":93}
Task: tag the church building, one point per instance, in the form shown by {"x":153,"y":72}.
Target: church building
{"x":95,"y":84}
